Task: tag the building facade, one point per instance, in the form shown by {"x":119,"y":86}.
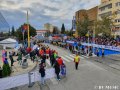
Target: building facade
{"x":41,"y":32}
{"x":91,"y":13}
{"x":111,"y":8}
{"x":49,"y":27}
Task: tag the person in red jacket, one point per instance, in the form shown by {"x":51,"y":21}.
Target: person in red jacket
{"x":60,"y":61}
{"x":41,"y":52}
{"x":28,"y":49}
{"x":47,"y":53}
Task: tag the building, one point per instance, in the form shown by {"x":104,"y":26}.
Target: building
{"x":91,"y":13}
{"x":41,"y":32}
{"x":111,"y":8}
{"x":49,"y":27}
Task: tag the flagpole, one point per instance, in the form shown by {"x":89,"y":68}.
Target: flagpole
{"x":23,"y":37}
{"x":28,"y":30}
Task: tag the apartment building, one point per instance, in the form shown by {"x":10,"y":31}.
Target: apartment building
{"x":111,"y":8}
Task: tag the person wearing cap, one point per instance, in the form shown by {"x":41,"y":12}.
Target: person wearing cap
{"x":76,"y":60}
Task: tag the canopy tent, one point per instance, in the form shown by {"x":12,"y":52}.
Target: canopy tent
{"x":8,"y":41}
{"x":11,"y":43}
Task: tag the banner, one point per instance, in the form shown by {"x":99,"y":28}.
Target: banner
{"x":113,"y":48}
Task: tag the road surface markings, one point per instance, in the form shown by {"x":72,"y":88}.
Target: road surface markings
{"x":69,"y":58}
{"x":65,"y":59}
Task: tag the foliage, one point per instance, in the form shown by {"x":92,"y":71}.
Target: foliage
{"x":13,"y":31}
{"x":63,"y":29}
{"x":55,"y":30}
{"x":19,"y":34}
{"x":83,"y":26}
{"x":47,"y":33}
{"x":69,"y":33}
{"x":104,"y":26}
{"x":6,"y":70}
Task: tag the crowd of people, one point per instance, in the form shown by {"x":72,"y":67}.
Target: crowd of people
{"x":100,"y":40}
{"x":43,"y":53}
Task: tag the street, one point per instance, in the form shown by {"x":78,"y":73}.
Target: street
{"x":91,"y":75}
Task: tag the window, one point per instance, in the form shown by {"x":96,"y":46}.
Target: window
{"x":106,"y":14}
{"x":117,"y":20}
{"x":118,"y":12}
{"x":109,"y":6}
{"x":117,"y":4}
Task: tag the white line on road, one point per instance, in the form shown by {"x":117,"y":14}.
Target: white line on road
{"x":72,"y":59}
{"x":74,"y":56}
{"x":65,"y":59}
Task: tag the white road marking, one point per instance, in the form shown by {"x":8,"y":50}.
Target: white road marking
{"x":65,"y":59}
{"x":72,"y":59}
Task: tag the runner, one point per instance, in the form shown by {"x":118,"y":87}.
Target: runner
{"x":76,"y":60}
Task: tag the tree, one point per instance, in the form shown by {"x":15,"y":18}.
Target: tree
{"x":63,"y":29}
{"x":55,"y":30}
{"x":6,"y":70}
{"x":19,"y":35}
{"x":13,"y":31}
{"x":83,"y":26}
{"x":104,"y":26}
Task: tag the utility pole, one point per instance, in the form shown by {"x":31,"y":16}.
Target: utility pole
{"x":28,"y":30}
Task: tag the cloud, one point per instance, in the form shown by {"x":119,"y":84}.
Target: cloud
{"x":43,"y":11}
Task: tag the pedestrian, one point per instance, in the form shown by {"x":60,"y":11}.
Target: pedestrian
{"x":97,"y":52}
{"x":102,"y":52}
{"x":57,"y":70}
{"x":76,"y":60}
{"x":11,"y":58}
{"x":19,"y":58}
{"x":42,"y":73}
{"x":63,"y":69}
{"x":60,"y":61}
{"x":47,"y":53}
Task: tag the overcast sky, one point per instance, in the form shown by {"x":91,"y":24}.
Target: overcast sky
{"x":43,"y":11}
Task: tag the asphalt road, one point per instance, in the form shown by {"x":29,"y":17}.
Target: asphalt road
{"x":91,"y":75}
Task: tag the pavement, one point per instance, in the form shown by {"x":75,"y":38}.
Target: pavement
{"x":91,"y":75}
{"x":17,"y":69}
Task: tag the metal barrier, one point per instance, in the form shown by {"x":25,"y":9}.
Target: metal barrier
{"x":30,"y":82}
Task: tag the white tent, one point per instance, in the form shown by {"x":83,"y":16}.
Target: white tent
{"x":8,"y":43}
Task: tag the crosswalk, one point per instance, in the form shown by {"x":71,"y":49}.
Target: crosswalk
{"x":67,"y":58}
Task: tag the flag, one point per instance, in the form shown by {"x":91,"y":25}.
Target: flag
{"x":24,"y":28}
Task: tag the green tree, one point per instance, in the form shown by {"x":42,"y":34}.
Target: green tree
{"x":6,"y":70}
{"x":13,"y":31}
{"x":19,"y":34}
{"x":83,"y":26}
{"x":104,"y":26}
{"x":55,"y":30}
{"x":63,"y":29}
{"x":9,"y":33}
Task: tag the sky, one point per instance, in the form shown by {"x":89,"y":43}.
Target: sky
{"x":40,"y":12}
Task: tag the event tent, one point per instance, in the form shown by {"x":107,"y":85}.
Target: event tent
{"x":8,"y":43}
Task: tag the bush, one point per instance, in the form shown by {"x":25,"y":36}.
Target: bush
{"x":6,"y":70}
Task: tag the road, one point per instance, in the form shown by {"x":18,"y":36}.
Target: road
{"x":91,"y":75}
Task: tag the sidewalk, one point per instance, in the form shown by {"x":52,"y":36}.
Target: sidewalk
{"x":17,"y":69}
